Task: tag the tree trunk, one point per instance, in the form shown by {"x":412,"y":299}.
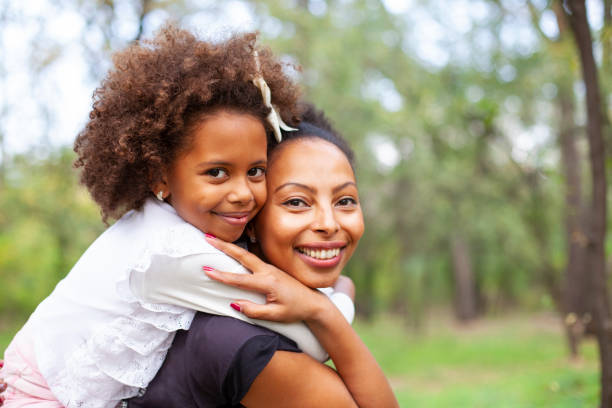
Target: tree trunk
{"x":465,"y":286}
{"x":576,"y":10}
{"x":575,"y":309}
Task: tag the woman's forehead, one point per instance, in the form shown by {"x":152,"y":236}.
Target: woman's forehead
{"x":311,"y":158}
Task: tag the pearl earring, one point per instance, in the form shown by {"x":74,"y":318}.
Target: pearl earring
{"x":253,"y":239}
{"x":160,"y":195}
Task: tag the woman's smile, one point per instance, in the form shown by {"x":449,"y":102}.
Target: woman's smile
{"x":310,"y":224}
{"x":321,"y":255}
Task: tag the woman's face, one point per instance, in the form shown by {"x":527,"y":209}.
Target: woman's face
{"x":312,"y":220}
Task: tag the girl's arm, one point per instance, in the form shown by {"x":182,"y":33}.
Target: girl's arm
{"x":289,"y":300}
{"x":180,"y":281}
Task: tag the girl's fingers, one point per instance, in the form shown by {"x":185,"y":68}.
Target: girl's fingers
{"x":238,"y":280}
{"x":247,"y":259}
{"x":253,"y":310}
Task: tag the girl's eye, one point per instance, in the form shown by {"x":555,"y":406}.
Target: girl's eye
{"x":217,"y":173}
{"x":256,"y":172}
{"x":347,"y":201}
{"x":295,"y":202}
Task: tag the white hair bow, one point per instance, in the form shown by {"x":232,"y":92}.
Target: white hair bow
{"x":274,"y":118}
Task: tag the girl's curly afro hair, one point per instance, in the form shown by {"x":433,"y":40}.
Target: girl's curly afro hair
{"x":157,"y":89}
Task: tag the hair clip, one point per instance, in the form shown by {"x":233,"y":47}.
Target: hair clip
{"x":274,"y":119}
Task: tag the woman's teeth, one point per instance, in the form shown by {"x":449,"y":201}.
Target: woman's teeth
{"x":320,"y":253}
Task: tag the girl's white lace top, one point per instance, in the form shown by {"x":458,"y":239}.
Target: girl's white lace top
{"x":103,"y":333}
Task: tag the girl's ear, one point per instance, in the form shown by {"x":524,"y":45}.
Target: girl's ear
{"x":160,"y":189}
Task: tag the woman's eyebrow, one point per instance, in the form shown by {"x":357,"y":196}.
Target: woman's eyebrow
{"x":304,"y":186}
{"x":341,"y":186}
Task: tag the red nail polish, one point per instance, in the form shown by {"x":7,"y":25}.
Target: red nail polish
{"x":236,"y":307}
{"x":207,"y":268}
{"x":211,"y":236}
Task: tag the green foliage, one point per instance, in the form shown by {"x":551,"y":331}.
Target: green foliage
{"x":458,"y":130}
{"x":456,"y":175}
{"x":46,"y":222}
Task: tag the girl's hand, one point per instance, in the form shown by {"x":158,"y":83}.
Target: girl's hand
{"x":287,"y":299}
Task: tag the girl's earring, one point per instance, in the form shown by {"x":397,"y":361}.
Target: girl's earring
{"x":252,"y":239}
{"x":160,"y":195}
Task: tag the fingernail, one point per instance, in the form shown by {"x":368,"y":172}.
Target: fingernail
{"x":207,"y":268}
{"x":236,"y":307}
{"x":211,"y":236}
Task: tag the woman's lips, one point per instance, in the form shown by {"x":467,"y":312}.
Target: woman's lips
{"x":326,"y":255}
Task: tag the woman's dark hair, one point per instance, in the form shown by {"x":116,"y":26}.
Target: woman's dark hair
{"x":157,"y":90}
{"x":314,"y":124}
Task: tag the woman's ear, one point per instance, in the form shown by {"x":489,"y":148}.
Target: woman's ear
{"x":250,"y":231}
{"x":253,"y":245}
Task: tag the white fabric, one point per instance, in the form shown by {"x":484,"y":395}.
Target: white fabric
{"x":181,"y":281}
{"x":96,"y":342}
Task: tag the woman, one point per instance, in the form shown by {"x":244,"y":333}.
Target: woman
{"x":309,"y":228}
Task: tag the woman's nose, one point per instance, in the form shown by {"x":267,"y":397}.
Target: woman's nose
{"x":325,"y":221}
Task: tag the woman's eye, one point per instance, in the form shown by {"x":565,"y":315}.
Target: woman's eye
{"x":347,"y":201}
{"x":256,"y":172}
{"x":217,"y":173}
{"x":295,"y":202}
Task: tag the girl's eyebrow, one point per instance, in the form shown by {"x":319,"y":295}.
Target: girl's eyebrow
{"x":228,"y":164}
{"x":214,"y":163}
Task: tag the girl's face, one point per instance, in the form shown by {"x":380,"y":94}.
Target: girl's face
{"x":312,"y":221}
{"x":218,"y":184}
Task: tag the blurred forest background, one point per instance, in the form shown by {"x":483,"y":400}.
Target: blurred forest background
{"x":469,"y":119}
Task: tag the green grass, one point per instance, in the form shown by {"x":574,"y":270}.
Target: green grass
{"x":518,"y":361}
{"x":513,"y":362}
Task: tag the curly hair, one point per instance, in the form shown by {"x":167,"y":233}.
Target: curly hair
{"x":159,"y":88}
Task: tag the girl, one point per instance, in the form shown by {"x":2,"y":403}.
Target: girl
{"x":185,"y":121}
{"x":309,"y":227}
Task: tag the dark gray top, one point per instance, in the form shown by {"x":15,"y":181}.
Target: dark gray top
{"x":213,"y":364}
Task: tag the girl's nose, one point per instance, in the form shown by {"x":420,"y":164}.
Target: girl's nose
{"x":241,"y":192}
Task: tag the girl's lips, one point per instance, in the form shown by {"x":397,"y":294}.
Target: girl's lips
{"x":235,"y":218}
